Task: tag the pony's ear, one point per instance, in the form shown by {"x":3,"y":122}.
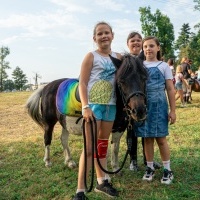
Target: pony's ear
{"x":117,"y":62}
{"x":141,"y":55}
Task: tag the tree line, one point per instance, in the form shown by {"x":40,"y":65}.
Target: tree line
{"x":187,"y":43}
{"x":19,"y":78}
{"x":156,"y":24}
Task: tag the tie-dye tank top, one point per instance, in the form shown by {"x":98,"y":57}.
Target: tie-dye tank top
{"x":101,"y":89}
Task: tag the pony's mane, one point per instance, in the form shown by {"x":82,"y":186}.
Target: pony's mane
{"x":131,"y":66}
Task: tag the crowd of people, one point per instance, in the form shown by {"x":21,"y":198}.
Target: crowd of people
{"x":183,"y":77}
{"x":96,"y":67}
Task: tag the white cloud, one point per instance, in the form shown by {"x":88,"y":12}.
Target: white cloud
{"x":110,"y":5}
{"x":57,"y":24}
{"x":180,"y":12}
{"x":43,"y":21}
{"x":9,"y":40}
{"x":71,"y":6}
{"x":47,"y":48}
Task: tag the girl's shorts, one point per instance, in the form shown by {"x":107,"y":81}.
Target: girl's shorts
{"x":104,"y":112}
{"x":178,"y":86}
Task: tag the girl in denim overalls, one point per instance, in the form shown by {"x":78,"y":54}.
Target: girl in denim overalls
{"x":156,"y":125}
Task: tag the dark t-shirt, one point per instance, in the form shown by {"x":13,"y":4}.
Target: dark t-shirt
{"x":185,"y":68}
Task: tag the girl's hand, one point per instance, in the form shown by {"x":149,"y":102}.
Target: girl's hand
{"x":172,"y":117}
{"x":87,"y":114}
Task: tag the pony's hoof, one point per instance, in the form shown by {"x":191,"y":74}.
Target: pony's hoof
{"x":133,"y":166}
{"x":71,"y":164}
{"x":48,"y":164}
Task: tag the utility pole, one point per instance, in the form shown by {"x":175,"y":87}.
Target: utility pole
{"x":36,"y":80}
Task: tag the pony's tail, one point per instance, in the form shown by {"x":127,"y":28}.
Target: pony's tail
{"x":33,"y":107}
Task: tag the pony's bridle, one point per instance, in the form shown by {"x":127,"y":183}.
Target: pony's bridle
{"x":137,"y":93}
{"x":126,"y":100}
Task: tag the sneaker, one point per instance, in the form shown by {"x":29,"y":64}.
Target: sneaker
{"x":80,"y":196}
{"x":149,"y":174}
{"x":106,"y":188}
{"x":133,"y":166}
{"x":167,"y":177}
{"x":156,"y":165}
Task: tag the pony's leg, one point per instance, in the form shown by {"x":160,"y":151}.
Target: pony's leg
{"x":47,"y":156}
{"x":47,"y":142}
{"x":106,"y":167}
{"x":115,"y":142}
{"x":64,"y":140}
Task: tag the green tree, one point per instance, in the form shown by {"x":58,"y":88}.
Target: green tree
{"x":194,"y":45}
{"x":158,"y":25}
{"x":197,"y":7}
{"x":184,"y":37}
{"x":188,"y":43}
{"x":194,"y":49}
{"x":4,"y":51}
{"x":8,"y":85}
{"x":20,"y":78}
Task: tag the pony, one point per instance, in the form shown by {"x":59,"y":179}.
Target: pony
{"x":195,"y":86}
{"x":59,"y":101}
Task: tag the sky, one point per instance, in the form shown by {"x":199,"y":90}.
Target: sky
{"x":51,"y":37}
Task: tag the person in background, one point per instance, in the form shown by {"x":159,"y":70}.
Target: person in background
{"x":190,"y":81}
{"x":170,"y":62}
{"x":187,"y":75}
{"x":98,"y":71}
{"x":190,"y":63}
{"x":155,"y":127}
{"x":178,"y":85}
{"x":134,"y":44}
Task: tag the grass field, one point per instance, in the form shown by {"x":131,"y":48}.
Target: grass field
{"x":23,"y":175}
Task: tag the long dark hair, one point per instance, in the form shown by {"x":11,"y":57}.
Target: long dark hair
{"x":159,"y":56}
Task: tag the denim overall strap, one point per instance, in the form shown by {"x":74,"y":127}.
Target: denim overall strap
{"x":156,"y":124}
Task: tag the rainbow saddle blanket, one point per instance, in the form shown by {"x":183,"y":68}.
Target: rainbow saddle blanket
{"x":66,"y":100}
